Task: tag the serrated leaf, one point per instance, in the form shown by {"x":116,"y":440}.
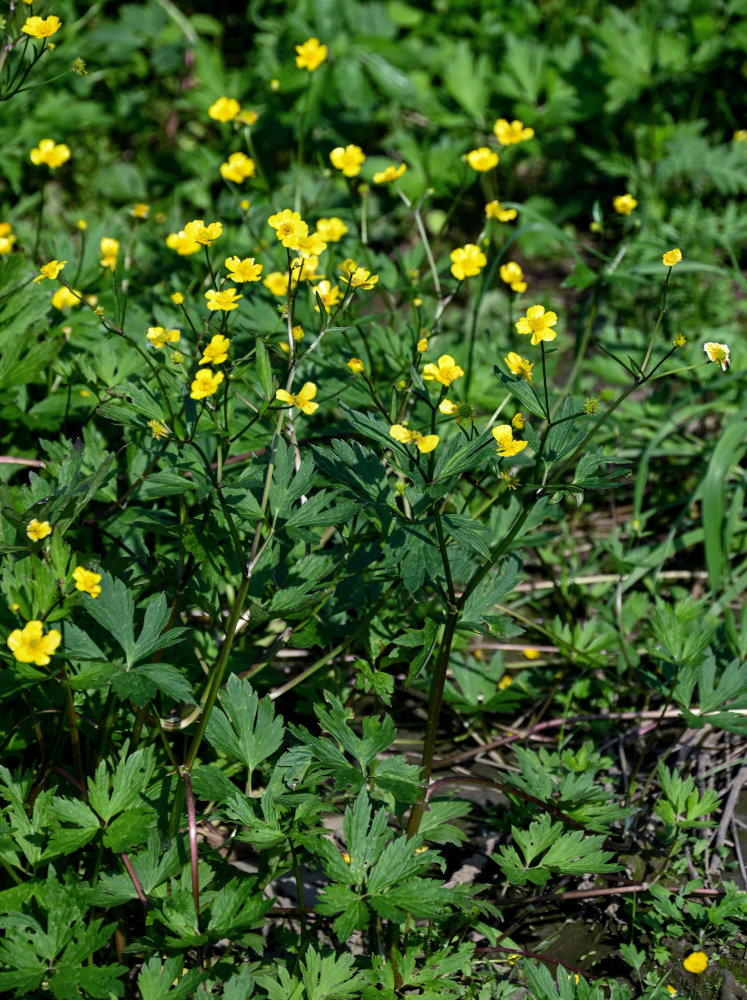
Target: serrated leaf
{"x":245,"y":727}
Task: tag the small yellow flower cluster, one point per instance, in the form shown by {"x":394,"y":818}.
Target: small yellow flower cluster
{"x":512,"y":275}
{"x":294,"y":234}
{"x":423,"y":442}
{"x":302,"y":399}
{"x":310,"y":54}
{"x":51,"y":153}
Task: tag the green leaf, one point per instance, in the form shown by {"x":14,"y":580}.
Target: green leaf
{"x":244,"y":728}
{"x":521,"y":390}
{"x":264,"y":370}
{"x":109,"y":794}
{"x":168,"y":981}
{"x":114,"y":609}
{"x":330,"y":977}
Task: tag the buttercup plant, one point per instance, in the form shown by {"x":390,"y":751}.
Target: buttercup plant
{"x":296,"y":527}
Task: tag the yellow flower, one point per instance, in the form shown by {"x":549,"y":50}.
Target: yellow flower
{"x":40,"y":27}
{"x":30,"y":645}
{"x":177,"y":298}
{"x":513,"y":275}
{"x":109,"y":250}
{"x":508,"y":133}
{"x":422,"y":345}
{"x":519,"y":366}
{"x":740,"y":135}
{"x":519,"y":421}
{"x":671,"y":990}
{"x":512,"y":482}
{"x":358,"y":277}
{"x":87,"y":581}
{"x":50,"y":270}
{"x":445,"y":372}
{"x":467,"y":261}
{"x":51,"y":153}
{"x":205,"y":384}
{"x":158,"y":429}
{"x":216,"y":351}
{"x":423,"y":442}
{"x":177,"y":357}
{"x":672,"y":257}
{"x":624,"y":204}
{"x":718,"y":353}
{"x":494,"y":210}
{"x":237,"y":168}
{"x":82,"y":225}
{"x":329,"y":294}
{"x":243,"y":270}
{"x":226,"y":299}
{"x":36,"y":530}
{"x":182,"y":243}
{"x":507,"y":446}
{"x":505,"y":681}
{"x":679,"y":340}
{"x":356,"y":366}
{"x":7,"y":239}
{"x":277,"y":283}
{"x":696,"y":962}
{"x":389,"y":174}
{"x":289,"y":227}
{"x":531,"y":654}
{"x":247,"y":117}
{"x":463,"y":413}
{"x":331,"y":230}
{"x":482,"y":159}
{"x":311,"y":54}
{"x":538,"y":323}
{"x":140,"y":210}
{"x":302,"y":399}
{"x":201,"y":233}
{"x":65,"y":298}
{"x":225,"y":109}
{"x":305,"y":268}
{"x":348,"y":159}
{"x":158,"y":336}
{"x":310,"y":245}
{"x":244,"y":205}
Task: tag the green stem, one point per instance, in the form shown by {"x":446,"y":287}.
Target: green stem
{"x":658,"y":323}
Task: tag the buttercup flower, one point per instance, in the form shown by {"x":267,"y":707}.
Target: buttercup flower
{"x":696,"y":962}
{"x":65,"y":298}
{"x":310,"y":245}
{"x":538,"y":323}
{"x":302,"y":399}
{"x":349,"y":159}
{"x":177,"y":298}
{"x":389,"y":174}
{"x":182,"y":243}
{"x":205,"y":384}
{"x":512,"y":482}
{"x":422,"y":345}
{"x":531,"y":654}
{"x":237,"y":168}
{"x":672,"y":257}
{"x":277,"y":283}
{"x":311,"y":54}
{"x":446,"y":372}
{"x":49,"y":152}
{"x":494,"y":210}
{"x":243,"y":270}
{"x":158,"y":429}
{"x":109,"y":250}
{"x":7,"y":239}
{"x":289,"y":227}
{"x":41,"y":27}
{"x":507,"y":446}
{"x":718,"y":353}
{"x":247,"y":117}
{"x":87,"y":581}
{"x":201,"y":233}
{"x":331,"y":230}
{"x":467,"y":261}
{"x":356,"y":366}
{"x":518,"y":422}
{"x":216,"y":351}
{"x":36,"y":530}
{"x":423,"y":442}
{"x":671,"y":990}
{"x":624,"y":204}
{"x":359,"y":277}
{"x":329,"y":294}
{"x":158,"y":336}
{"x":679,"y":340}
{"x":740,"y":135}
{"x":50,"y":270}
{"x":225,"y":109}
{"x":513,"y":275}
{"x":140,"y":210}
{"x":226,"y":299}
{"x":508,"y":133}
{"x":463,"y":413}
{"x":519,"y":366}
{"x":482,"y":159}
{"x":30,"y":645}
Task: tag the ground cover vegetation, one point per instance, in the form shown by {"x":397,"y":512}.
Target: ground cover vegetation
{"x":373,"y":422}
